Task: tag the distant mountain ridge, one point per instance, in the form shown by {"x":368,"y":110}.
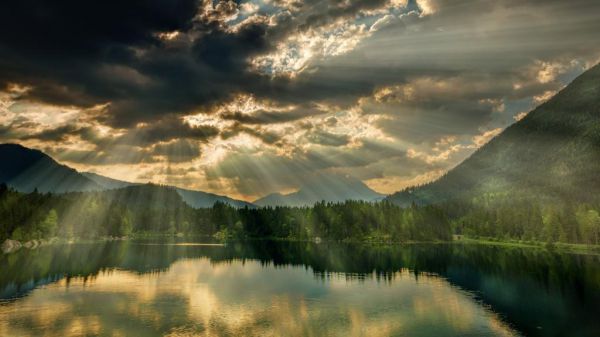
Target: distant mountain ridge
{"x":553,"y":152}
{"x":196,"y":199}
{"x":330,"y":188}
{"x":106,"y":182}
{"x":28,"y":169}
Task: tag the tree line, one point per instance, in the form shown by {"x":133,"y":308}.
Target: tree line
{"x":157,"y":209}
{"x":526,"y":218}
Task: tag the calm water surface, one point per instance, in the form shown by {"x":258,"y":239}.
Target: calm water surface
{"x":297,"y":289}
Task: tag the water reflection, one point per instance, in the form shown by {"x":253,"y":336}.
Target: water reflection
{"x":291,"y":289}
{"x":196,"y":297}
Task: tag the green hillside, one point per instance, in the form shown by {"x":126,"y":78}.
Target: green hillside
{"x":552,"y":154}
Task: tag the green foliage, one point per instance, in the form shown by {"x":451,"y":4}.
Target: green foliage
{"x":155,"y":209}
{"x":552,"y":156}
{"x":522,"y":217}
{"x":589,"y":224}
{"x":47,"y":228}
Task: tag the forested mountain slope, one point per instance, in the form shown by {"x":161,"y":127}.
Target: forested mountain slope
{"x":196,"y":199}
{"x":551,"y":154}
{"x":27,"y":169}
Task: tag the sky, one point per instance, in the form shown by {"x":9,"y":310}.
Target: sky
{"x":247,"y":98}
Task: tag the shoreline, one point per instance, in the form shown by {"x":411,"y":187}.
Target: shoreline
{"x":556,"y":246}
{"x":10,"y":246}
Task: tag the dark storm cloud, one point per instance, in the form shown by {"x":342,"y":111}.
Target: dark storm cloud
{"x":87,"y":53}
{"x":142,"y":135}
{"x":56,"y":46}
{"x":57,"y":134}
{"x":166,"y":130}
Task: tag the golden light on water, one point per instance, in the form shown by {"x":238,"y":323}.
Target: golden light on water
{"x":197,"y":297}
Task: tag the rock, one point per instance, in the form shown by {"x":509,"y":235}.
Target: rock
{"x":9,"y":246}
{"x":32,"y":244}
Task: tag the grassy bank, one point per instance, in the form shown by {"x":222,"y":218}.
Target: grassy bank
{"x":559,"y":246}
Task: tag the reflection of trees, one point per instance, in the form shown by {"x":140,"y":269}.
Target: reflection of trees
{"x":194,"y":297}
{"x":502,"y":277}
{"x":550,"y":270}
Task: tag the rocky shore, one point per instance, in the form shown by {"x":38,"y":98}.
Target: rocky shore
{"x":9,"y":246}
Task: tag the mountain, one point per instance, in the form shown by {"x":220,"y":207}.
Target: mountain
{"x":196,"y":199}
{"x":106,"y":182}
{"x":26,"y":169}
{"x":145,"y":197}
{"x":330,"y":188}
{"x":552,"y":153}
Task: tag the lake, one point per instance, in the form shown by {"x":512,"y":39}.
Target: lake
{"x":263,"y":288}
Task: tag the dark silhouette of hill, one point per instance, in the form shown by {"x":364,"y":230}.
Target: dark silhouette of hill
{"x":196,"y":199}
{"x":26,"y":169}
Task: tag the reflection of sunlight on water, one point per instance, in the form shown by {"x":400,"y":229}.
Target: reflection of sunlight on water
{"x":183,"y":244}
{"x":195,"y":297}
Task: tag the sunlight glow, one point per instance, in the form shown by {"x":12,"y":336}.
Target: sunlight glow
{"x":212,"y":296}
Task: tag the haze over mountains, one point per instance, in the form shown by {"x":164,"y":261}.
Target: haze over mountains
{"x":196,"y":199}
{"x":27,"y":169}
{"x":552,"y":153}
{"x":330,"y":188}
